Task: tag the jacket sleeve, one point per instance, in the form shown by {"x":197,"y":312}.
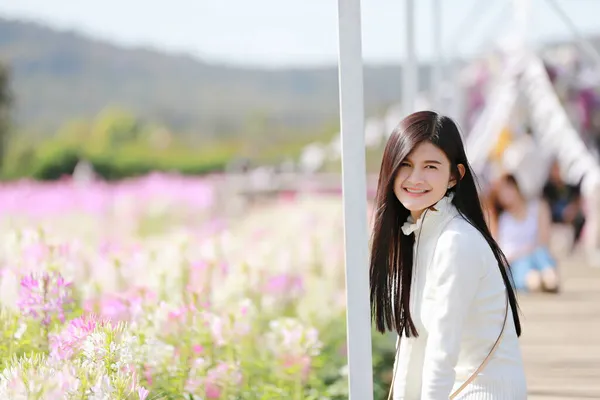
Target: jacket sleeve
{"x":455,"y":272}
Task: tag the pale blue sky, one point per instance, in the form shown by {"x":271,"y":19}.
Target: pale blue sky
{"x":289,"y":32}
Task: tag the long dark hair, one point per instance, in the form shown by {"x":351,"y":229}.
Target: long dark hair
{"x":391,"y":261}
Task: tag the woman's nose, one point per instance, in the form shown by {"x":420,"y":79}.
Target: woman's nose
{"x":416,"y":176}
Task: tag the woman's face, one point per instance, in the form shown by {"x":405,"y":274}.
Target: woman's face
{"x":423,"y":178}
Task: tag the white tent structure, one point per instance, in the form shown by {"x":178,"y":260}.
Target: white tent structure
{"x":526,"y":86}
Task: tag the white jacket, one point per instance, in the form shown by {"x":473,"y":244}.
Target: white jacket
{"x":457,"y":303}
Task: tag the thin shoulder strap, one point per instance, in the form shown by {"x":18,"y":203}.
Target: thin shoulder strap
{"x":487,"y":358}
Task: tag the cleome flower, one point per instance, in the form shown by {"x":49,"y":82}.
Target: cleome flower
{"x":44,"y":295}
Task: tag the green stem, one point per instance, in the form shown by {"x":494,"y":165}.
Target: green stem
{"x":298,"y":388}
{"x":45,"y":330}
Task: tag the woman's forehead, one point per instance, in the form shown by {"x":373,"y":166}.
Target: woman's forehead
{"x":427,"y":151}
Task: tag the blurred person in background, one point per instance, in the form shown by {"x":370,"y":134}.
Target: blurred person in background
{"x":522,"y":230}
{"x":565,"y":202}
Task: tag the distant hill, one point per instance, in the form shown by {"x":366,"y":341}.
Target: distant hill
{"x":58,"y":76}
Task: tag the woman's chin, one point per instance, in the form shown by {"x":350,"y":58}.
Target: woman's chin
{"x":415,"y":208}
{"x":415,"y":205}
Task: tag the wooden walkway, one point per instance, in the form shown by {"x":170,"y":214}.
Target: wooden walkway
{"x":561,"y":336}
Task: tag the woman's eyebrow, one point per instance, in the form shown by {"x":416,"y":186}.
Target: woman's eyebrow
{"x":432,"y":162}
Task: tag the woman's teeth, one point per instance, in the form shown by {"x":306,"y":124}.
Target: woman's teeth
{"x":414,"y":191}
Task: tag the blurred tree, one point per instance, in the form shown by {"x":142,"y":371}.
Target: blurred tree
{"x":5,"y":107}
{"x":74,"y":132}
{"x":114,"y":127}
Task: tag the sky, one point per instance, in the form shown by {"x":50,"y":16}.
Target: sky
{"x":282,"y":33}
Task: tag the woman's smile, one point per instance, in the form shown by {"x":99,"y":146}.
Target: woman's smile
{"x":416,"y":192}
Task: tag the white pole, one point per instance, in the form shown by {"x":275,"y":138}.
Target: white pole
{"x":354,"y":181}
{"x":438,"y":61}
{"x":410,"y":71}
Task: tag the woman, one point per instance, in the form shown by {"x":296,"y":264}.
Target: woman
{"x":523,"y":233}
{"x":438,"y":278}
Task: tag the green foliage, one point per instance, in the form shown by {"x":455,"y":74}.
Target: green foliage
{"x":119,"y":145}
{"x":15,"y":339}
{"x":54,"y":159}
{"x":135,"y":160}
{"x":5,"y":103}
{"x":333,"y":359}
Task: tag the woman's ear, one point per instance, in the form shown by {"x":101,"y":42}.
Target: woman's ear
{"x":461,"y":171}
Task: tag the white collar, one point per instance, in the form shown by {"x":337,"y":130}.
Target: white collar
{"x":442,"y":207}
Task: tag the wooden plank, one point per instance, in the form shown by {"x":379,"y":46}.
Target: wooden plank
{"x":561,"y":336}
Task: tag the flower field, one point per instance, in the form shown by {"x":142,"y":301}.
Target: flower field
{"x":144,"y":290}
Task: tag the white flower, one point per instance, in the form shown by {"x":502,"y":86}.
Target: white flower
{"x":19,"y":333}
{"x":95,"y":349}
{"x":289,"y":336}
{"x":156,"y":353}
{"x":102,"y":389}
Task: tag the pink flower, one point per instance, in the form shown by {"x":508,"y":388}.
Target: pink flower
{"x":44,"y":296}
{"x":123,"y":306}
{"x":303,"y":363}
{"x":243,"y":320}
{"x":179,"y":314}
{"x":68,"y":342}
{"x":199,"y":265}
{"x":143,"y":393}
{"x":197,"y":348}
{"x":148,"y":374}
{"x":64,"y":249}
{"x":219,"y":377}
{"x":114,"y":309}
{"x":36,"y":253}
{"x":284,"y":285}
{"x":108,"y":249}
{"x":212,"y":391}
{"x":224,"y":268}
{"x":293,"y":344}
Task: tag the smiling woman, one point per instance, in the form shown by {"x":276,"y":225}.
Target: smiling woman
{"x":438,"y":278}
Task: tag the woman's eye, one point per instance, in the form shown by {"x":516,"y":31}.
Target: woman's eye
{"x":405,"y":164}
{"x":431,"y":167}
